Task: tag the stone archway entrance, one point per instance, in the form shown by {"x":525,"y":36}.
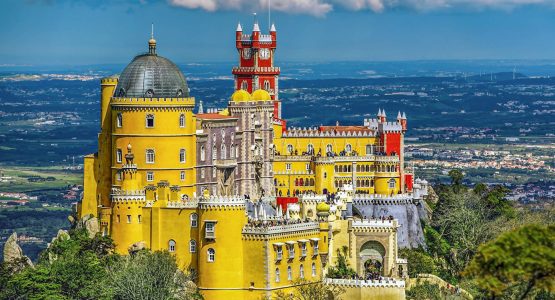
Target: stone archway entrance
{"x":371,"y":259}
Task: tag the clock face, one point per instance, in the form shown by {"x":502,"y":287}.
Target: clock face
{"x":247,"y":53}
{"x":264,"y":53}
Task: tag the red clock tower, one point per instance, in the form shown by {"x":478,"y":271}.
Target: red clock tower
{"x":256,"y":63}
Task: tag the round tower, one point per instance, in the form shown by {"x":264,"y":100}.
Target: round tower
{"x":220,"y":248}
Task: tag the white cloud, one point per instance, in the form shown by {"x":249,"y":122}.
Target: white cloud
{"x":320,"y":8}
{"x":311,"y":7}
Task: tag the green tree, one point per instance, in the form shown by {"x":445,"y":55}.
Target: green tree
{"x":419,"y":262}
{"x":305,"y":290}
{"x":457,"y":177}
{"x":341,"y":269}
{"x":519,"y":263}
{"x":425,"y":291}
{"x":150,"y":275}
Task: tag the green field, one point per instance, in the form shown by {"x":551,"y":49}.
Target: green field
{"x":63,"y":178}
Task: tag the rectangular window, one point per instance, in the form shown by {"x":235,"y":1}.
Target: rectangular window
{"x":308,"y":166}
{"x":117,"y":219}
{"x":202,"y":173}
{"x":288,"y":167}
{"x":182,"y":176}
{"x":128,"y":219}
{"x":150,"y":156}
{"x":303,"y":249}
{"x":210,"y":230}
{"x":119,"y":120}
{"x":118,"y":176}
{"x":214,"y":172}
{"x":279,"y":253}
{"x":139,"y":219}
{"x":291,"y":250}
{"x":119,"y":156}
{"x":315,"y":247}
{"x":149,"y":176}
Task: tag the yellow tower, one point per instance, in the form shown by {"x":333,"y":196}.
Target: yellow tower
{"x":221,"y":251}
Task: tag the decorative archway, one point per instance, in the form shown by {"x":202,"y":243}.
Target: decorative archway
{"x":371,"y":258}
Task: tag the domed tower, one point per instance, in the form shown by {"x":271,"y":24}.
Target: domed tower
{"x":152,"y":110}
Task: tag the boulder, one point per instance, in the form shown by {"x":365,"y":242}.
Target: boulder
{"x":91,"y":224}
{"x":13,"y":255}
{"x":136,"y":247}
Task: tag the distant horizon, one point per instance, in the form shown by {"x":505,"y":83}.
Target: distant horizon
{"x":92,"y":32}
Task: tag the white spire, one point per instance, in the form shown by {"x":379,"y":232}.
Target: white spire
{"x":379,"y":112}
{"x":383,"y":113}
{"x":404,"y":117}
{"x":255,"y":27}
{"x":287,"y":216}
{"x":399,"y":115}
{"x":200,"y":108}
{"x":273,"y":28}
{"x":255,"y":213}
{"x":239,"y":28}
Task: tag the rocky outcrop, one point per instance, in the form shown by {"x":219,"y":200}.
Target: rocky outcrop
{"x":136,"y":247}
{"x":91,"y":224}
{"x":410,"y":234}
{"x":432,"y":197}
{"x":13,"y":255}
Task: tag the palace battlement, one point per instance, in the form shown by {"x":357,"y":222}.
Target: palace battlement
{"x":375,"y":223}
{"x":269,"y":229}
{"x":385,"y":282}
{"x":142,"y":101}
{"x":314,"y":132}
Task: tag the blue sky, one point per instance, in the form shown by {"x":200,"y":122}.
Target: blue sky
{"x":66,"y":32}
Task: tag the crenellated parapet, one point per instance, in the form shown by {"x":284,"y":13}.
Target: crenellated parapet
{"x":280,"y":230}
{"x":218,"y":202}
{"x":118,"y":195}
{"x":385,"y":282}
{"x":380,"y":199}
{"x":315,"y":132}
{"x":375,"y":225}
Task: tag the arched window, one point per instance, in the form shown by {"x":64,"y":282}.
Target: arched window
{"x":119,"y":120}
{"x":277,"y":274}
{"x":232,"y":152}
{"x":193,"y":246}
{"x":329,"y":148}
{"x":182,"y":156}
{"x":289,"y":273}
{"x":171,"y":246}
{"x":194,"y":220}
{"x":310,"y":149}
{"x":348,"y":148}
{"x":214,"y":153}
{"x":301,"y":271}
{"x":202,"y":153}
{"x":244,"y":85}
{"x":267,"y":85}
{"x":149,"y":156}
{"x":290,"y":149}
{"x":182,"y":176}
{"x":223,"y":134}
{"x":313,"y":269}
{"x":223,"y":154}
{"x":182,"y":120}
{"x":149,"y":121}
{"x":211,"y":255}
{"x":391,"y":183}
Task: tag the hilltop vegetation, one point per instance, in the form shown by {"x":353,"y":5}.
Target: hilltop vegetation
{"x":476,"y":239}
{"x":76,"y":266}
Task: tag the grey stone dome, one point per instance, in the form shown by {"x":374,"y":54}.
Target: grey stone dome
{"x":151,"y":76}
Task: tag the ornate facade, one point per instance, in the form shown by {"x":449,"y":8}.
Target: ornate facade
{"x":243,"y":201}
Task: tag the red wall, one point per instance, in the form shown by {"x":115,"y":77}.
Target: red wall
{"x":408,"y":181}
{"x":393,"y":143}
{"x":283,"y":201}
